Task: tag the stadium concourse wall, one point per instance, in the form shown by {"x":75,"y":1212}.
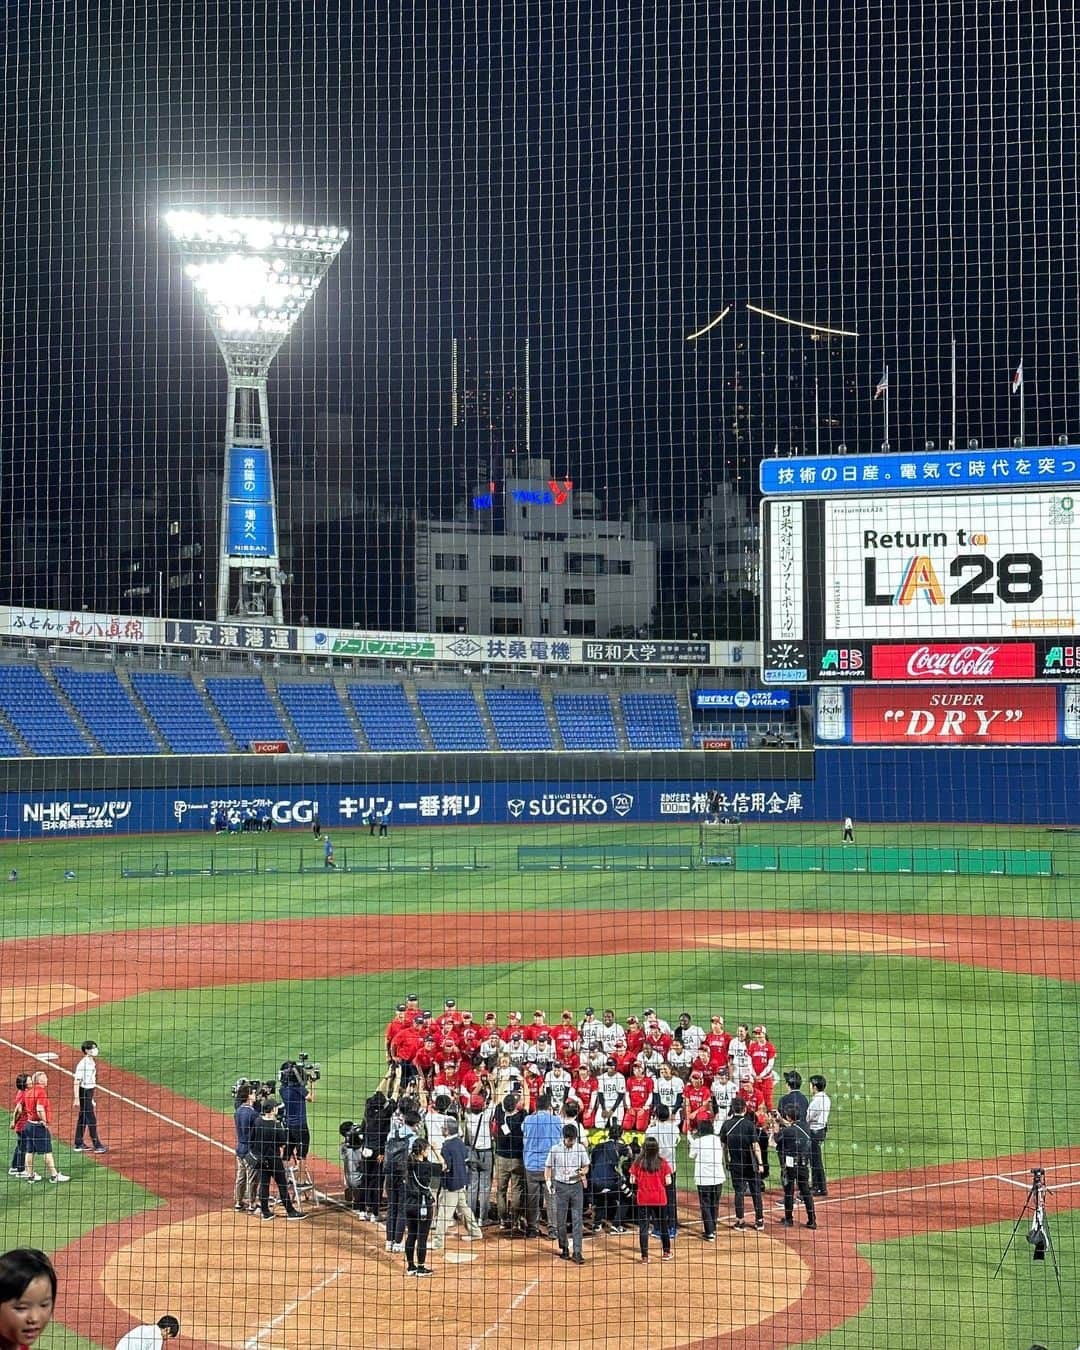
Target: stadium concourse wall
{"x":49,"y":798}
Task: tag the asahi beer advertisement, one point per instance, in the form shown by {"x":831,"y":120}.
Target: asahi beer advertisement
{"x":948,"y":715}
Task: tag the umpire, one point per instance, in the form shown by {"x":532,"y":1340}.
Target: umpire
{"x":793,"y":1146}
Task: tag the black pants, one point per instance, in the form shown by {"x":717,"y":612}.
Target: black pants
{"x":371,"y":1179}
{"x":817,"y":1166}
{"x":273,"y":1169}
{"x":87,"y":1117}
{"x":797,"y":1178}
{"x":416,"y":1236}
{"x":652,"y":1216}
{"x":395,"y":1210}
{"x":709,"y":1200}
{"x":607,"y":1205}
{"x":742,"y":1182}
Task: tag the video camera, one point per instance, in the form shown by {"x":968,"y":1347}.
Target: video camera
{"x":260,"y":1087}
{"x":300,"y":1070}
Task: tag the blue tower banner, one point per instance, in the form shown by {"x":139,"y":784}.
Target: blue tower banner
{"x":249,"y":474}
{"x":251,"y":530}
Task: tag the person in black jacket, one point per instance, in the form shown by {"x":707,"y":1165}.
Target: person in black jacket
{"x":267,"y":1141}
{"x":378,"y":1113}
{"x":793,"y":1148}
{"x":739,"y":1134}
{"x":609,"y":1160}
{"x":423,"y":1167}
{"x":794,"y":1096}
{"x":506,"y":1131}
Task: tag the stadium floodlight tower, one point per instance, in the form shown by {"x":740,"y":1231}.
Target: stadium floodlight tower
{"x":253,"y":279}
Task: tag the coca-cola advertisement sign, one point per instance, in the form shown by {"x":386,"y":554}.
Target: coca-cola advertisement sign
{"x":955,"y":715}
{"x":954,"y":661}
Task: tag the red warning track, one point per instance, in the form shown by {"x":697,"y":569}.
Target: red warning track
{"x":175,"y":1151}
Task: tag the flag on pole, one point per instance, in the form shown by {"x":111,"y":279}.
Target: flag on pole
{"x":882,"y":386}
{"x":1017,"y":379}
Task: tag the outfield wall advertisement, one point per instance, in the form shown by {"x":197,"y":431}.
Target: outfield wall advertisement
{"x":887,"y":785}
{"x":948,"y":715}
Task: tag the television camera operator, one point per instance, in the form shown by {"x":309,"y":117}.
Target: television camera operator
{"x":297,"y":1085}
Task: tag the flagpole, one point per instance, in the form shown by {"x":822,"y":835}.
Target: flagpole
{"x":952,"y":439}
{"x":1022,"y":441}
{"x":886,"y":437}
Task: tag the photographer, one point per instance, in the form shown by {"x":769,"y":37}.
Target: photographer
{"x":297,"y":1090}
{"x":479,"y":1151}
{"x":793,"y":1147}
{"x":453,"y":1197}
{"x":352,"y":1165}
{"x":267,"y":1142}
{"x":246,"y":1185}
{"x":378,"y":1113}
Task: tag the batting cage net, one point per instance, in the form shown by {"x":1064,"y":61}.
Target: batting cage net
{"x":539,"y":690}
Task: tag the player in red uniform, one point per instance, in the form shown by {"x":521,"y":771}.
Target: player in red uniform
{"x":513,"y":1023}
{"x":565,"y":1034}
{"x":538,"y":1027}
{"x":635,"y":1037}
{"x":469,"y":1037}
{"x":762,"y":1054}
{"x":426,"y":1060}
{"x":624,"y":1060}
{"x":412,"y":1007}
{"x":696,"y":1096}
{"x":657,"y":1038}
{"x":717,"y":1039}
{"x":703,"y":1063}
{"x":399,"y":1020}
{"x":639,"y":1098}
{"x":582,"y":1090}
{"x":457,"y":1078}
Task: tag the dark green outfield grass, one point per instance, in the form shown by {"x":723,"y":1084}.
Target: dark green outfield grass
{"x":911,"y":1048}
{"x":100,"y":898}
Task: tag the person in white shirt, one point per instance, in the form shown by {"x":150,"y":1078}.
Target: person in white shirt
{"x":610,"y":1032}
{"x":85,"y":1087}
{"x":667,"y":1135}
{"x":590,"y":1030}
{"x":680,"y":1059}
{"x":150,"y":1336}
{"x":476,"y":1133}
{"x":566,"y":1174}
{"x":609,"y":1099}
{"x":557,"y":1082}
{"x":849,"y":830}
{"x":707,"y":1154}
{"x":724,"y":1091}
{"x":739,"y":1061}
{"x":817,"y":1124}
{"x":649,"y":1014}
{"x":668,"y":1091}
{"x":689,"y":1033}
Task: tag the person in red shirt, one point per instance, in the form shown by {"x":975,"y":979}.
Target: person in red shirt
{"x":412,"y":1007}
{"x":696,"y":1096}
{"x":635,"y":1036}
{"x":491,"y":1024}
{"x":624,"y":1060}
{"x":718,"y":1041}
{"x":533,"y":1080}
{"x":403,"y":1050}
{"x":456,"y":1078}
{"x":582,"y":1090}
{"x":425,"y":1061}
{"x":469,"y":1037}
{"x":658,"y":1038}
{"x":639,"y":1097}
{"x":652,"y":1175}
{"x":565,"y":1033}
{"x":37,"y":1136}
{"x":449,"y":1019}
{"x":513,"y":1023}
{"x":703,"y":1063}
{"x":748,"y":1091}
{"x":400,"y":1019}
{"x":539,"y":1026}
{"x":568,"y":1056}
{"x":763,"y":1057}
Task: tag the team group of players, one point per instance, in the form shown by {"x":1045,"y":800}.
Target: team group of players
{"x":614,"y":1072}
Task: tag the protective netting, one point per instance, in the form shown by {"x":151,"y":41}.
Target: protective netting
{"x":481,"y":478}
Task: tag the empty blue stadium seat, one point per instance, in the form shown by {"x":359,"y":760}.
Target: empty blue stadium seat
{"x":520,"y":719}
{"x":652,"y":721}
{"x":245,"y":708}
{"x":8,"y":748}
{"x":318,"y":716}
{"x":739,"y":736}
{"x":586,"y":721}
{"x":38,"y":715}
{"x":179,"y":713}
{"x":386,"y":716}
{"x":106,"y":708}
{"x":453,"y":719}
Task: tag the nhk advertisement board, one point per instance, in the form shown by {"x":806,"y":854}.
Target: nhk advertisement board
{"x":920,"y":588}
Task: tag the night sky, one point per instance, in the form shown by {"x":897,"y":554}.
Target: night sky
{"x":598,"y":179}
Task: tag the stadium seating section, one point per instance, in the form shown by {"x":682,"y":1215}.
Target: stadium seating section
{"x":520,"y":719}
{"x":386,"y":717}
{"x":319,"y":717}
{"x":453,"y":719}
{"x":652,"y":721}
{"x":64,"y":710}
{"x":586,"y":722}
{"x":179,"y":713}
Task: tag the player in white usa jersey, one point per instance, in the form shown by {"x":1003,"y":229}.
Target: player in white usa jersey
{"x":668,"y":1091}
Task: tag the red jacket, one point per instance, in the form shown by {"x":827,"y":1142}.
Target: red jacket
{"x":651,"y":1186}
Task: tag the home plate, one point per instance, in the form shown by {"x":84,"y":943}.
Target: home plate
{"x":458,"y":1258}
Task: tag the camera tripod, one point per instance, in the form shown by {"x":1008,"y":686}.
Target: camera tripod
{"x":1039,"y":1232}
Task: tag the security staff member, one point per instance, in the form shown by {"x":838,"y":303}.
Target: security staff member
{"x":817,"y":1123}
{"x":793,"y":1147}
{"x":742,"y":1153}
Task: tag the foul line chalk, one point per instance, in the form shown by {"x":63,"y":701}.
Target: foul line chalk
{"x":502,"y":1317}
{"x":252,"y":1343}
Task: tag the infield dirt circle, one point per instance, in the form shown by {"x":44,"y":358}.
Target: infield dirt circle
{"x":249,"y":1285}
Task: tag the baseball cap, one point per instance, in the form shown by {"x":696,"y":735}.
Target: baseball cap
{"x":539,"y":1013}
{"x":515,"y":1035}
{"x":514,"y":1016}
{"x":567,"y":1013}
{"x":631,"y":1021}
{"x":476,"y":1101}
{"x":589,"y":1012}
{"x":421,"y":1020}
{"x":490,"y":1017}
{"x":759,"y":1031}
{"x":695,"y":1073}
{"x":270,"y":1104}
{"x":610,"y":1064}
{"x":466,"y":1013}
{"x":400,"y":1007}
{"x":412,"y":998}
{"x":650,"y":1012}
{"x":450,"y":1003}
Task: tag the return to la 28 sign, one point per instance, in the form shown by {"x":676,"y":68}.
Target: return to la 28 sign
{"x":969,"y":586}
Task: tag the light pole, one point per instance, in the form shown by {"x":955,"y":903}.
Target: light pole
{"x":253,"y":279}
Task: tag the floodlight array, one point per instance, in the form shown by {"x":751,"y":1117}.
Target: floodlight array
{"x":198,"y":227}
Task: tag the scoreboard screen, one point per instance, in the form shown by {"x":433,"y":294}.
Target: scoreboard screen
{"x":971,"y":586}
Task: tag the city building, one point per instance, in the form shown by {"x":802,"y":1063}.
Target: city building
{"x":555,"y":566}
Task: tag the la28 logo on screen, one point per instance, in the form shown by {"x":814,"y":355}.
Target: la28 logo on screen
{"x":1014,"y":579}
